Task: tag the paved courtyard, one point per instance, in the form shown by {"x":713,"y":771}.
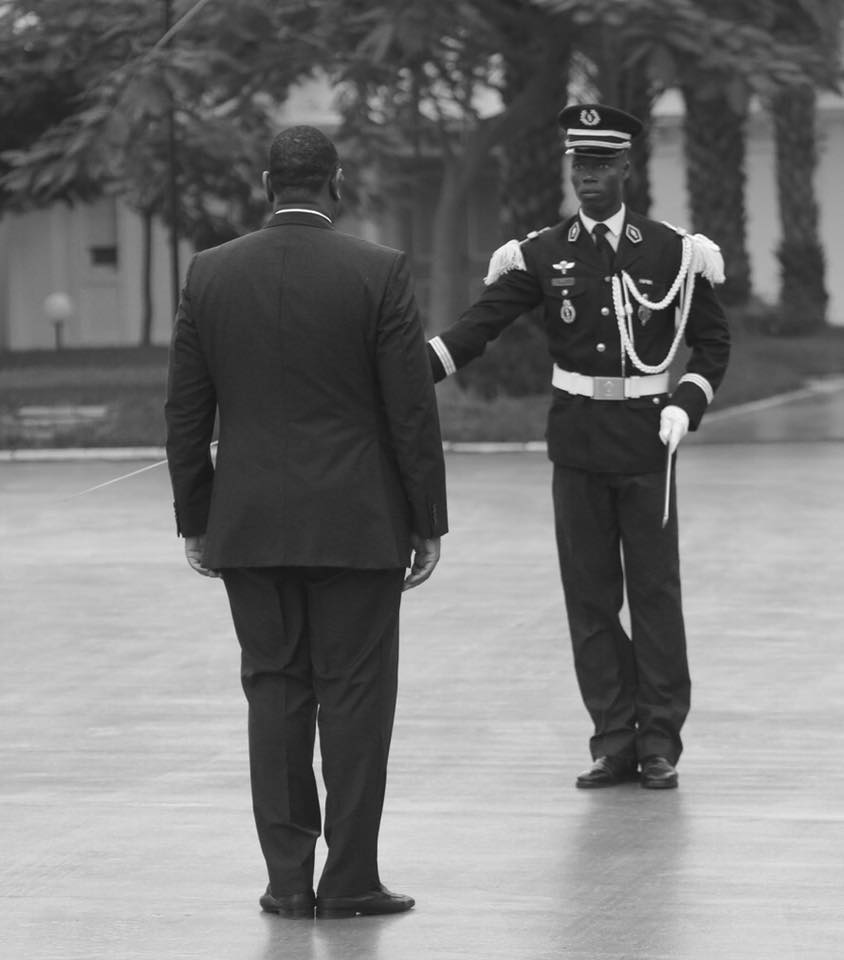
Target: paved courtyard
{"x":125,"y":821}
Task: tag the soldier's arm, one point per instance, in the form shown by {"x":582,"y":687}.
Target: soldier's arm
{"x":708,"y":335}
{"x":508,"y":296}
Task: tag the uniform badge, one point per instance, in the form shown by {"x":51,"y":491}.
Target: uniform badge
{"x":567,"y":312}
{"x":644,"y":313}
{"x":563,"y":266}
{"x":634,"y":234}
{"x":574,"y":231}
{"x":590,"y":118}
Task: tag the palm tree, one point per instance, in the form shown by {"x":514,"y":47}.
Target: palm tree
{"x":714,"y":144}
{"x":637,"y":93}
{"x":803,"y":294}
{"x":788,"y":47}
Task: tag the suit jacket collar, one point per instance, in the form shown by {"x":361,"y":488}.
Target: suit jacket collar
{"x":299,"y":215}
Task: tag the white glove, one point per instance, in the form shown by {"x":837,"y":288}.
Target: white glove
{"x":673,"y":426}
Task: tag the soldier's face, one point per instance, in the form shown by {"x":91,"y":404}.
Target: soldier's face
{"x":599,"y":184}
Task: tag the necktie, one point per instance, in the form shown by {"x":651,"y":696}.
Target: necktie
{"x":603,"y":246}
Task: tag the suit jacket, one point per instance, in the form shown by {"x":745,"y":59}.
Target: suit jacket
{"x":601,"y":435}
{"x":308,"y":344}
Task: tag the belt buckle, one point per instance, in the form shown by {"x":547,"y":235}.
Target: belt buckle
{"x":608,"y":388}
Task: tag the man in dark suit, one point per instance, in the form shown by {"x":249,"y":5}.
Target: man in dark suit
{"x":329,"y":479}
{"x":619,"y":293}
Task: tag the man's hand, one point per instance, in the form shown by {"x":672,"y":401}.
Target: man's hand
{"x":426,"y":555}
{"x":673,"y":426}
{"x":194,"y":547}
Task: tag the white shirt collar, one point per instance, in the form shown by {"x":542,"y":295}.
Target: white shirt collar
{"x":614,"y":223}
{"x":316,"y":213}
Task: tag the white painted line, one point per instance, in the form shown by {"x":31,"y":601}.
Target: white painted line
{"x":813,"y":389}
{"x":45,"y":454}
{"x":482,"y":446}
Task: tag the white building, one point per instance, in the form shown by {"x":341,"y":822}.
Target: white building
{"x":91,"y":254}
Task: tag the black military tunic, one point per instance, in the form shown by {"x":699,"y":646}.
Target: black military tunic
{"x":563,"y":267}
{"x":609,"y":461}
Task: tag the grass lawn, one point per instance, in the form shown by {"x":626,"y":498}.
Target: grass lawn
{"x":115,"y":396}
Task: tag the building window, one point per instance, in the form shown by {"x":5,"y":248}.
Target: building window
{"x":105,"y":256}
{"x":100,"y":227}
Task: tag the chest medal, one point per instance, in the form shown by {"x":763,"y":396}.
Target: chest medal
{"x":567,"y":312}
{"x":644,"y":313}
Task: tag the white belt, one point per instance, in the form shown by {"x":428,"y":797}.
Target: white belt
{"x":609,"y":388}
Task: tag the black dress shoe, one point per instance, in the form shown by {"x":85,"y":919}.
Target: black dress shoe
{"x":289,"y":905}
{"x":366,"y":905}
{"x":658,"y":774}
{"x":607,"y":772}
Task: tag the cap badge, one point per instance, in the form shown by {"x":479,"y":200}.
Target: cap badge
{"x":567,"y":312}
{"x":590,"y":118}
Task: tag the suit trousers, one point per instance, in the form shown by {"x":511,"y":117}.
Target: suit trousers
{"x":319,"y":647}
{"x":609,"y":536}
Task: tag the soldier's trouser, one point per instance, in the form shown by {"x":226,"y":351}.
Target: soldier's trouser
{"x":318,"y":645}
{"x":609,"y":535}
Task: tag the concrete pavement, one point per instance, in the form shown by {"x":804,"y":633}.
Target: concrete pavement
{"x":126,"y":828}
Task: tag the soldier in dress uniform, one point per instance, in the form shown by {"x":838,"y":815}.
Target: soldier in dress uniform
{"x":619,"y":293}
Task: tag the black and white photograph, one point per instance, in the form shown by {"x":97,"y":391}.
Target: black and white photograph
{"x":421,"y":480}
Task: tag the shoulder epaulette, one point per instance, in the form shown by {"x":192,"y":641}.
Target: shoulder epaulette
{"x":509,"y":257}
{"x":681,"y":230}
{"x":706,"y":258}
{"x":535,"y":233}
{"x":505,"y":258}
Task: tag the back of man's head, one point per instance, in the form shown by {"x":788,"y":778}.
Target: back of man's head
{"x":301,"y":161}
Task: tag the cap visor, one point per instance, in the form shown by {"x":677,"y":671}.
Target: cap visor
{"x":595,"y":152}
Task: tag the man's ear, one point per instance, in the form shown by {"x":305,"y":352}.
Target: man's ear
{"x":334,"y":184}
{"x":268,"y":190}
{"x":625,"y":170}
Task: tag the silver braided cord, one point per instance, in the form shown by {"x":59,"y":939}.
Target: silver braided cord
{"x":624,"y":287}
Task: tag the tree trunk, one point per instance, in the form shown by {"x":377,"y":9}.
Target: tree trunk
{"x":627,"y":86}
{"x":449,"y":257}
{"x":532,"y":187}
{"x":715,"y":175}
{"x":449,"y":254}
{"x":532,"y":180}
{"x":532,"y":191}
{"x":146,"y":279}
{"x":636,"y":98}
{"x":537,"y":98}
{"x":803,"y":295}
